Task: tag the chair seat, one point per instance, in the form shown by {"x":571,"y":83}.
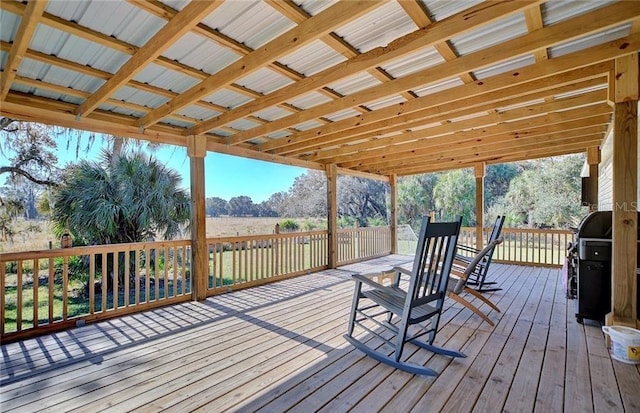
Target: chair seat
{"x":395,"y":303}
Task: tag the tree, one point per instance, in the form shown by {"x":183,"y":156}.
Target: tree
{"x":307,"y":197}
{"x":415,"y":198}
{"x":454,"y":195}
{"x":216,"y":206}
{"x":361,"y":199}
{"x":497,"y":180}
{"x":134,"y":200}
{"x":241,"y":206}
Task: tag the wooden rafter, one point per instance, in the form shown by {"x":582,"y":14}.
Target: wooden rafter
{"x":30,"y":19}
{"x":306,"y":32}
{"x":597,"y":20}
{"x":454,"y":25}
{"x":182,"y":23}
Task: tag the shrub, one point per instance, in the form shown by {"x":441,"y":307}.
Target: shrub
{"x":289,"y":225}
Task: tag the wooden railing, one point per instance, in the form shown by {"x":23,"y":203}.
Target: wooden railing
{"x":53,"y":289}
{"x":538,"y":247}
{"x":240,"y":262}
{"x":356,"y":244}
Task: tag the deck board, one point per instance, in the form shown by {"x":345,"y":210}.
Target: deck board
{"x":279,"y":347}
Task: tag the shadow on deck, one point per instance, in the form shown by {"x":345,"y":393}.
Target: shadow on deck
{"x":279,"y":347}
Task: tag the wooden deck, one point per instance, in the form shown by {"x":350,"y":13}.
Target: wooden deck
{"x":280,"y":348}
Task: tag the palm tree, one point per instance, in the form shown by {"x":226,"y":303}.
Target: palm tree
{"x":133,"y":199}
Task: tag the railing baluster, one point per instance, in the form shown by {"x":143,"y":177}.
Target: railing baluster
{"x":36,"y":287}
{"x":92,"y":289}
{"x":3,"y":292}
{"x":19,"y":298}
{"x":116,"y":282}
{"x":65,"y":287}
{"x":51,"y":289}
{"x":105,"y":293}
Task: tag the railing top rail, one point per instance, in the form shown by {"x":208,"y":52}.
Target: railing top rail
{"x":525,"y":230}
{"x":261,"y":237}
{"x":88,"y":250}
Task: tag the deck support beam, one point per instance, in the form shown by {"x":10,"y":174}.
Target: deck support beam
{"x":479,"y":173}
{"x":332,"y":215}
{"x":593,"y":160}
{"x":625,"y":196}
{"x":393,"y":213}
{"x":197,"y":150}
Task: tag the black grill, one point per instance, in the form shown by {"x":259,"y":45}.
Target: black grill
{"x":588,"y":267}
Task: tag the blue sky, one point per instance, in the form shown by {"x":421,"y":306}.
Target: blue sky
{"x":226,"y":176}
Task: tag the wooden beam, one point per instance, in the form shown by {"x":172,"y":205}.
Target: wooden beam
{"x":579,"y":138}
{"x":393,"y":213}
{"x":196,"y":149}
{"x":531,"y":115}
{"x":182,"y":23}
{"x":532,"y":153}
{"x":427,"y":152}
{"x":325,"y":21}
{"x":479,"y":172}
{"x":601,"y":19}
{"x":432,"y":114}
{"x":625,"y":195}
{"x":449,"y":27}
{"x":493,"y":89}
{"x":332,"y":215}
{"x":28,"y":24}
{"x":593,"y":161}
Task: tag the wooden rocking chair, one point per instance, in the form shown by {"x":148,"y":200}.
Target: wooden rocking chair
{"x":478,"y":276}
{"x":458,"y":281}
{"x":376,"y":305}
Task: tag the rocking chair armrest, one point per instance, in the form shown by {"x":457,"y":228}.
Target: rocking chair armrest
{"x":467,"y":248}
{"x":402,"y":270}
{"x":364,"y":278}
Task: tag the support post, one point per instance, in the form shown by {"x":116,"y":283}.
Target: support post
{"x":479,"y":173}
{"x":593,"y":160}
{"x":196,"y":149}
{"x":332,"y":214}
{"x":393,"y":218}
{"x":625,"y":174}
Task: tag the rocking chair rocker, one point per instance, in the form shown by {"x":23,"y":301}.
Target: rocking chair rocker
{"x":376,"y":305}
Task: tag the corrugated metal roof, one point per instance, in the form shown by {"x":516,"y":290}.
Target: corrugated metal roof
{"x":120,"y":19}
{"x":506,"y":66}
{"x":129,"y":94}
{"x":253,"y":23}
{"x":499,"y":31}
{"x":33,"y":69}
{"x":419,"y":60}
{"x":47,"y":94}
{"x":555,"y":11}
{"x":243,"y":124}
{"x":264,"y":81}
{"x":520,"y":105}
{"x":307,"y":125}
{"x":591,"y":40}
{"x":309,"y":100}
{"x":377,"y":28}
{"x":198,"y":112}
{"x":355,"y":83}
{"x":577,"y":92}
{"x":222,"y":132}
{"x":227,"y":98}
{"x":175,"y":122}
{"x":279,"y":134}
{"x":314,"y":7}
{"x":388,"y":101}
{"x":172,"y":80}
{"x":343,"y":114}
{"x":312,"y":58}
{"x":441,"y":9}
{"x":437,"y":87}
{"x":272,"y":113}
{"x":66,"y":46}
{"x":196,"y":51}
{"x":128,"y":112}
{"x":9,"y":24}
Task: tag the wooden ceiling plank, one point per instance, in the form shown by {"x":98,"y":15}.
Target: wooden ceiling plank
{"x":30,"y":19}
{"x":452,"y":26}
{"x":598,"y":20}
{"x":533,"y":112}
{"x":504,"y":97}
{"x":182,"y":23}
{"x":304,"y":33}
{"x":596,"y":113}
{"x":533,"y":18}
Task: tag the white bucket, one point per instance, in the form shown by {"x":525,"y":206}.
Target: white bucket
{"x":625,"y":343}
